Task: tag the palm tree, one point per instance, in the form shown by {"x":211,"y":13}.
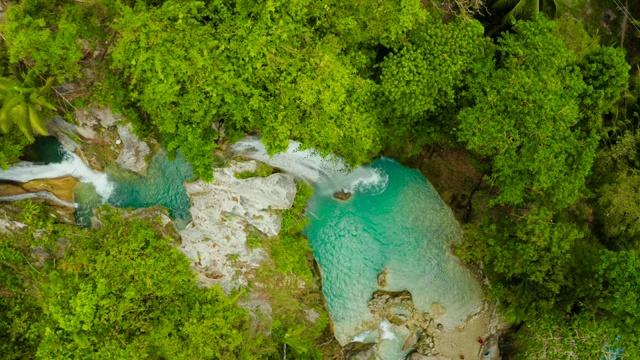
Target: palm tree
{"x":525,"y":9}
{"x":23,"y":105}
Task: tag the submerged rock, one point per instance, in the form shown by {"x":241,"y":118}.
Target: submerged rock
{"x":398,"y":309}
{"x":342,"y":195}
{"x":359,"y":351}
{"x":411,"y":341}
{"x":134,"y":152}
{"x":221,"y":211}
{"x":382,"y":278}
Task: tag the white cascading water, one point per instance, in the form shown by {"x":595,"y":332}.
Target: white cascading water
{"x":329,"y":173}
{"x":38,"y":195}
{"x":72,"y":165}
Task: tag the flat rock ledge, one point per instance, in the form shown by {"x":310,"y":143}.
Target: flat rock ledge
{"x":222,"y":211}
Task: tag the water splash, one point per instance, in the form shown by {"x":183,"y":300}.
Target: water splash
{"x":330,"y":174}
{"x":37,"y":195}
{"x":71,"y":165}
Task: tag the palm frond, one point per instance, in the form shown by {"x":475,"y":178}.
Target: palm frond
{"x":10,"y":104}
{"x":505,"y":4}
{"x":7,"y":84}
{"x":30,"y":79}
{"x":525,"y":9}
{"x":20,"y":116}
{"x":36,"y":122}
{"x":47,"y":86}
{"x":35,"y":98}
{"x":5,"y":122}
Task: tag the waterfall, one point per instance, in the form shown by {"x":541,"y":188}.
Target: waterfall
{"x":71,"y":165}
{"x":38,"y":195}
{"x":330,"y":174}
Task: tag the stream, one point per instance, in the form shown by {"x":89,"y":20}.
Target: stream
{"x":394,"y":223}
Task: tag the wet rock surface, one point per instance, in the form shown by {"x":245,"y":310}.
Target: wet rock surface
{"x":342,"y":195}
{"x":359,"y":351}
{"x":62,"y":188}
{"x":57,"y":191}
{"x":398,"y":309}
{"x":382,"y":278}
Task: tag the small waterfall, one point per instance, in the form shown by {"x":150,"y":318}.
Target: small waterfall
{"x":330,"y":174}
{"x":71,"y":165}
{"x":38,"y":195}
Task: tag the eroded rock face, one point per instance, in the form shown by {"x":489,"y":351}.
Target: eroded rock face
{"x":134,"y":151}
{"x":62,"y":187}
{"x":221,"y":211}
{"x":57,"y":192}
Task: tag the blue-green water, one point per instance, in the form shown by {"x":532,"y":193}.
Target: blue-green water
{"x":407,"y":230}
{"x":162,"y":185}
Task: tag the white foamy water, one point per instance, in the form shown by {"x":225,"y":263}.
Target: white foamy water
{"x":385,"y":329}
{"x":38,"y":195}
{"x":330,"y":173}
{"x":72,"y":165}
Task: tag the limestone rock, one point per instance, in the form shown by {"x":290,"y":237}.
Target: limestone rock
{"x":84,"y":129}
{"x":382,"y":278}
{"x":133,"y":154}
{"x":411,"y":341}
{"x":382,"y":300}
{"x":8,"y":226}
{"x":311,"y":315}
{"x":62,"y":187}
{"x":418,"y":356}
{"x":359,"y":351}
{"x":490,"y":348}
{"x":342,"y":195}
{"x":85,"y":118}
{"x":215,"y":240}
{"x":11,"y":189}
{"x":105,"y":116}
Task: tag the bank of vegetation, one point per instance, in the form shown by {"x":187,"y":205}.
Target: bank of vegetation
{"x":544,"y":97}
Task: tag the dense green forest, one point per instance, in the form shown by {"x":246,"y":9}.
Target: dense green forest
{"x":542,"y":102}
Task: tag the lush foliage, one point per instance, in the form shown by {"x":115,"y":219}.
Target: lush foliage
{"x":120,"y":291}
{"x":292,"y":259}
{"x":53,"y":36}
{"x":11,"y":146}
{"x":527,"y":111}
{"x":538,"y":105}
